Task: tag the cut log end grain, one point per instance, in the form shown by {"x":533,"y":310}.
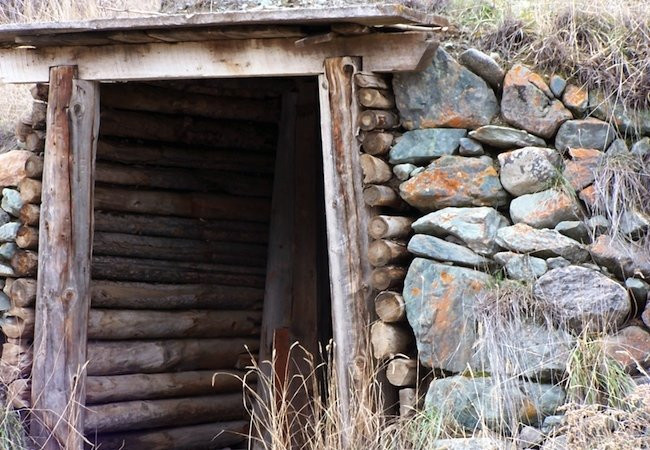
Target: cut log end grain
{"x":376,"y":98}
{"x":402,"y":372}
{"x":377,"y":142}
{"x":27,"y":238}
{"x":382,"y":252}
{"x":383,"y":278}
{"x":375,"y":119}
{"x":389,"y":227}
{"x":35,"y":141}
{"x":30,"y":190}
{"x":17,"y":165}
{"x":390,"y":307}
{"x":389,"y":340}
{"x":378,"y":195}
{"x":375,"y":171}
{"x":25,"y":263}
{"x":30,"y":214}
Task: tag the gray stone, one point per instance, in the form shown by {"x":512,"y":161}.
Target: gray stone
{"x":6,"y":270}
{"x":477,"y":402}
{"x":631,"y":122}
{"x":529,"y":169}
{"x":645,"y":315}
{"x":557,"y":262}
{"x":8,"y":232}
{"x":638,"y":290}
{"x":505,"y":137}
{"x":521,"y":267}
{"x":5,"y":302}
{"x":476,"y":443}
{"x":597,"y":225}
{"x":4,"y":217}
{"x":585,"y":133}
{"x":552,"y":422}
{"x":438,"y":300}
{"x":633,"y":223}
{"x":476,"y":227}
{"x":421,"y":146}
{"x":576,"y":99}
{"x":556,"y":443}
{"x":445,"y":94}
{"x":8,"y":250}
{"x":483,"y":66}
{"x":403,"y":171}
{"x":417,"y":171}
{"x":529,"y":104}
{"x":455,"y":181}
{"x":641,"y":147}
{"x":11,"y":201}
{"x":470,"y":147}
{"x":557,"y":85}
{"x":618,"y":148}
{"x":522,"y":238}
{"x":530,"y":437}
{"x":622,"y":259}
{"x":435,"y":248}
{"x":583,"y":298}
{"x":544,"y":209}
{"x":575,"y":229}
{"x":630,"y":347}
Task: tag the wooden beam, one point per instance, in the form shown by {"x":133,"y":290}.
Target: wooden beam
{"x":346,"y":217}
{"x":63,"y":285}
{"x":382,"y":52}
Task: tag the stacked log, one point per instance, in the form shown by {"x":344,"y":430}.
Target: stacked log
{"x":391,"y":338}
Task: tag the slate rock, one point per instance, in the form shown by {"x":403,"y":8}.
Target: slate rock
{"x":8,"y":250}
{"x":634,"y":223}
{"x":641,"y":147}
{"x":455,"y":181}
{"x":435,"y":248}
{"x":505,"y":137}
{"x":638,"y":290}
{"x":522,"y":238}
{"x":8,"y":232}
{"x":624,"y":260}
{"x":529,"y":169}
{"x":583,"y":298}
{"x":470,"y":147}
{"x":403,"y":171}
{"x":576,"y":99}
{"x":439,"y":301}
{"x":529,"y":104}
{"x":11,"y":201}
{"x":630,"y":347}
{"x":556,"y":443}
{"x":521,"y":267}
{"x":421,"y":146}
{"x":580,"y":171}
{"x":4,"y":217}
{"x":445,"y":94}
{"x":530,"y":437}
{"x":585,"y":133}
{"x":474,"y":402}
{"x":475,"y":227}
{"x":557,"y":262}
{"x":544,"y":209}
{"x":552,"y":422}
{"x":5,"y":302}
{"x":557,"y":85}
{"x":597,"y":225}
{"x":484,"y":66}
{"x":575,"y":229}
{"x":6,"y":270}
{"x":618,"y":148}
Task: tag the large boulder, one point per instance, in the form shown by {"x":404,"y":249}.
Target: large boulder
{"x":435,"y":248}
{"x":580,"y":171}
{"x":421,"y":146}
{"x":585,"y":133}
{"x":474,"y":403}
{"x":583,"y":298}
{"x":476,"y":227}
{"x":630,"y":347}
{"x":455,"y":181}
{"x":545,"y":209}
{"x":522,"y":238}
{"x":484,"y":66}
{"x":439,"y":303}
{"x":505,"y":137}
{"x":622,"y":259}
{"x":529,"y":104}
{"x":445,"y":94}
{"x":529,"y":169}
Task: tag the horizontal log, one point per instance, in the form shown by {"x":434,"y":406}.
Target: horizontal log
{"x":181,"y":227}
{"x":371,"y":80}
{"x":382,"y":226}
{"x":30,"y":214}
{"x":111,"y":294}
{"x":39,"y":114}
{"x":390,"y":306}
{"x":378,"y":195}
{"x":35,"y":141}
{"x":229,"y":134}
{"x":148,"y":386}
{"x":377,"y":142}
{"x":40,"y":91}
{"x":212,"y":435}
{"x":17,"y":165}
{"x":383,"y":278}
{"x":124,"y":357}
{"x":182,"y":157}
{"x":402,"y":372}
{"x":197,"y":205}
{"x":382,"y":252}
{"x":389,"y":340}
{"x":376,"y":119}
{"x":376,"y":98}
{"x":375,"y":171}
{"x":142,"y":97}
{"x":144,"y":414}
{"x":30,"y":190}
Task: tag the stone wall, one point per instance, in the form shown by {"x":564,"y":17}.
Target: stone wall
{"x":497,"y":169}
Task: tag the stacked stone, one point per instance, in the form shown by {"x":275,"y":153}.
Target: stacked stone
{"x":20,"y":173}
{"x":501,"y":166}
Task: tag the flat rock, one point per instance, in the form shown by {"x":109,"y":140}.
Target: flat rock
{"x":435,"y":248}
{"x":630,"y":347}
{"x":557,"y":85}
{"x":557,"y":262}
{"x":580,"y":171}
{"x":477,"y":402}
{"x":484,"y":66}
{"x":455,"y":181}
{"x":641,"y":147}
{"x":8,"y":250}
{"x":439,"y":300}
{"x":505,"y":137}
{"x":445,"y":94}
{"x":529,"y":104}
{"x":6,"y":270}
{"x":583,"y":298}
{"x":544,"y":209}
{"x":8,"y":231}
{"x":624,"y":260}
{"x":585,"y":133}
{"x":522,"y":238}
{"x":470,"y":147}
{"x":529,"y":169}
{"x":575,"y":229}
{"x":475,"y":227}
{"x":576,"y":98}
{"x":421,"y":146}
{"x":521,"y":267}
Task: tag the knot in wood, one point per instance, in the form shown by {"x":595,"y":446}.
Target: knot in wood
{"x":77,"y":109}
{"x":69,"y":295}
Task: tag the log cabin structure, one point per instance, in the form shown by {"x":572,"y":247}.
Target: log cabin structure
{"x":193,"y":191}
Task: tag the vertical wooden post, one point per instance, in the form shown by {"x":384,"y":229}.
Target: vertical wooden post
{"x":65,"y":249}
{"x":347,"y":218}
